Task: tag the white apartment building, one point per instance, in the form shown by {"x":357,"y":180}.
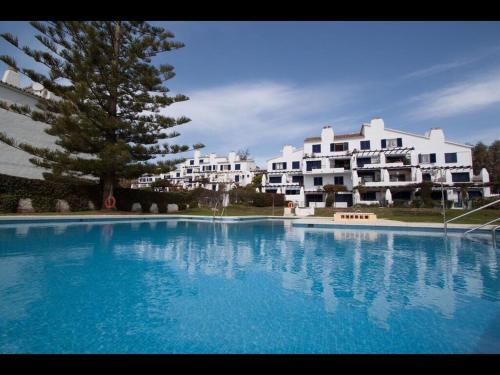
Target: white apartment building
{"x":209,"y":171}
{"x":376,"y":165}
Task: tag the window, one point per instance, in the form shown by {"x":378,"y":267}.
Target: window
{"x":274,"y":180}
{"x":279,"y":166}
{"x":225,"y":167}
{"x":237,"y":167}
{"x":338,"y":180}
{"x":369,"y":196}
{"x":298,"y":179}
{"x":362,"y":161}
{"x":292,"y":192}
{"x":426,"y":177}
{"x":295,"y":164}
{"x":191,"y":162}
{"x":364,"y":145}
{"x":450,"y":157}
{"x":236,"y":178}
{"x":460,"y":177}
{"x":318,"y":181}
{"x":391,"y":143}
{"x":316,"y":148}
{"x":310,"y":165}
{"x":214,"y":186}
{"x":426,"y":158}
{"x":189,"y":171}
{"x":334,"y":147}
{"x":178,"y":174}
{"x":271,"y":190}
{"x":201,"y":161}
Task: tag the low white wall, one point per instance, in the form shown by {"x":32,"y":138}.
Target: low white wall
{"x":304,"y":211}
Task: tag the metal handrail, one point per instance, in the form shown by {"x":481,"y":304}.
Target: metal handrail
{"x":494,"y":236}
{"x":468,"y":213}
{"x":482,"y":226}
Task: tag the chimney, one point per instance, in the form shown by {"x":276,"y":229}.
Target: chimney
{"x":327,"y":134}
{"x":197,"y":154}
{"x":287,"y":150}
{"x":11,"y":77}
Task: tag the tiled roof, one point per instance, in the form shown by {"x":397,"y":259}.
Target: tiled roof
{"x":347,"y":136}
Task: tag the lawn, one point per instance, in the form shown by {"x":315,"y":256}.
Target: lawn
{"x":429,"y":215}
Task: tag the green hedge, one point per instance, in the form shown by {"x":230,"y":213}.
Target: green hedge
{"x":125,"y":198}
{"x":45,"y":193}
{"x":247,"y":195}
{"x":8,"y":203}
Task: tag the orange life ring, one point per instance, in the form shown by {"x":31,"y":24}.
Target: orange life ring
{"x":290,"y":205}
{"x":110,"y":202}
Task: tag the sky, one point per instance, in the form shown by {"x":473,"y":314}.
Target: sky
{"x":261,"y":85}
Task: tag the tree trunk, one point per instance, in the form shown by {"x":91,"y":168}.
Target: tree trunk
{"x":108,"y":184}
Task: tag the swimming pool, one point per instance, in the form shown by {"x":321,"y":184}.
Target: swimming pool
{"x":177,"y":286}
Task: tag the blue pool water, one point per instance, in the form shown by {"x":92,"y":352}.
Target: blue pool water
{"x":267,"y":287}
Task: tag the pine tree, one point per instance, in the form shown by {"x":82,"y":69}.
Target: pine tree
{"x":107,"y":116}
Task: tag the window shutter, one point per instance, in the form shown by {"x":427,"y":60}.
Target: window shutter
{"x":332,"y":147}
{"x":400,"y":142}
{"x":383,"y":143}
{"x":419,"y":158}
{"x":284,"y":166}
{"x":346,"y":146}
{"x":274,"y":166}
{"x":433,"y":158}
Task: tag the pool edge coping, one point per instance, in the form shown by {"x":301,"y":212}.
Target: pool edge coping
{"x":316,"y":222}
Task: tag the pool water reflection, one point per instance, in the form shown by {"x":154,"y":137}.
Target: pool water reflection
{"x":199,"y":287}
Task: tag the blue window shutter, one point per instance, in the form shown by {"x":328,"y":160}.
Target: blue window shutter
{"x":284,"y":166}
{"x":332,"y":147}
{"x":400,"y":142}
{"x":274,"y":166}
{"x":383,"y":143}
{"x":346,"y":146}
{"x":433,"y":158}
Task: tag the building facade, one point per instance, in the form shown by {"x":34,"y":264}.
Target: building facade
{"x":376,"y":166}
{"x":209,"y":172}
{"x":14,"y":161}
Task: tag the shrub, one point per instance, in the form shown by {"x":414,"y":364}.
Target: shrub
{"x":8,"y":203}
{"x":77,"y":203}
{"x":266,"y":200}
{"x":401,"y":203}
{"x":476,"y":203}
{"x":45,"y":193}
{"x":43,"y":204}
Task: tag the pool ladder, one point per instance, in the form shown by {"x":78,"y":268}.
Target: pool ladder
{"x":493,"y":230}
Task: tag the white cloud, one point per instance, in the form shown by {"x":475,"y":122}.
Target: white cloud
{"x":439,"y":68}
{"x":468,"y":96}
{"x":261,"y":116}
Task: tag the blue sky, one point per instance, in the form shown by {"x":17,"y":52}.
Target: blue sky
{"x":260,"y":85}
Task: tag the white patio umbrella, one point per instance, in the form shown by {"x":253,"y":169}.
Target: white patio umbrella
{"x":225,"y":200}
{"x":257,"y":190}
{"x":283,"y":178}
{"x":388,"y":196}
{"x":263,"y":180}
{"x":302,"y":198}
{"x":356,"y":196}
{"x":278,"y":191}
{"x":418,"y":175}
